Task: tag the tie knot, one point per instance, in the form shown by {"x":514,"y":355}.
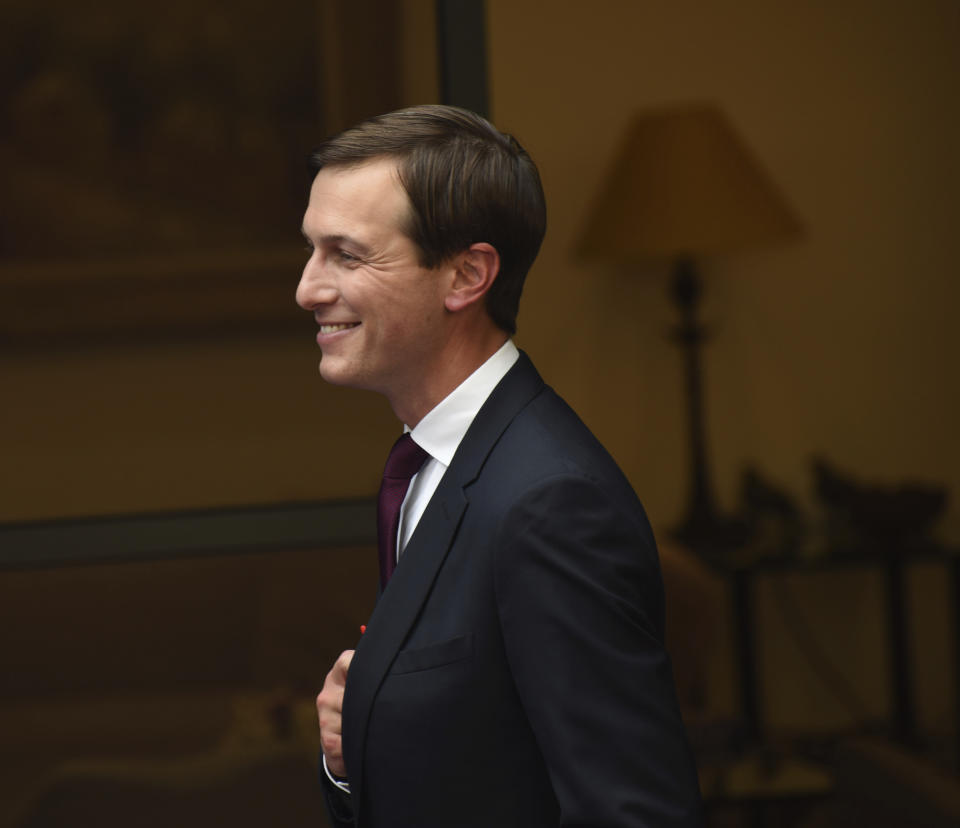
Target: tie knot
{"x":405,"y":459}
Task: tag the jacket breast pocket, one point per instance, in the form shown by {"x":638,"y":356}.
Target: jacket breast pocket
{"x":416,"y":659}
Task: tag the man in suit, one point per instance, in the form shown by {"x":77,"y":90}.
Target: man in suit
{"x":513,"y":673}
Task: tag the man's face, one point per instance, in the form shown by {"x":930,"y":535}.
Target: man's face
{"x":380,"y":313}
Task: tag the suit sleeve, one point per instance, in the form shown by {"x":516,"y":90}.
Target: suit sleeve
{"x":339,"y":805}
{"x":579,"y":597}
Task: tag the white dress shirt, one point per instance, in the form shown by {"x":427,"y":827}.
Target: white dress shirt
{"x":439,"y":434}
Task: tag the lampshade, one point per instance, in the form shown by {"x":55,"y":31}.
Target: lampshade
{"x":683,"y":185}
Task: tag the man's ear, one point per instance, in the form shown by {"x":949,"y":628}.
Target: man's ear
{"x":474,"y":271}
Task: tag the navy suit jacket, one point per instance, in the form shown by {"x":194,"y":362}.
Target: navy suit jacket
{"x":513,"y":672}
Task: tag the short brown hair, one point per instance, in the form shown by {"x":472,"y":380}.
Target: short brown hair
{"x":467,"y":182}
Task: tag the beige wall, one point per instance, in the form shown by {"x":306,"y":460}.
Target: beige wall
{"x":840,"y":345}
{"x":173,"y":426}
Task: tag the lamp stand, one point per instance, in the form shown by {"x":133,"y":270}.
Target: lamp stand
{"x":702,"y":528}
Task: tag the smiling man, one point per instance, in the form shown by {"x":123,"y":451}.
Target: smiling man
{"x":513,"y":672}
{"x":387,"y":323}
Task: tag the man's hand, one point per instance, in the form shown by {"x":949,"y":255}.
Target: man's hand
{"x":329,"y":710}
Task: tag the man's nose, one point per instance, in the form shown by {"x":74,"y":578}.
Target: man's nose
{"x":315,"y":288}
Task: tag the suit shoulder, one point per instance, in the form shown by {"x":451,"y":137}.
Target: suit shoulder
{"x":547,"y":443}
{"x":549,"y":434}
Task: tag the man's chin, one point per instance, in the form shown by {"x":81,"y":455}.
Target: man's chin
{"x":336,"y":373}
{"x":329,"y":373}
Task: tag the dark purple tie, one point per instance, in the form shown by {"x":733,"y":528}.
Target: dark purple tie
{"x":405,"y":460}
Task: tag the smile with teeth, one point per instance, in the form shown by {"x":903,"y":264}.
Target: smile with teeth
{"x":340,"y":326}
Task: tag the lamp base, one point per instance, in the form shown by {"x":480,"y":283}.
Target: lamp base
{"x":714,"y":539}
{"x":703,"y":530}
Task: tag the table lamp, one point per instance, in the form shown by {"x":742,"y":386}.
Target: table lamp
{"x":683,"y":186}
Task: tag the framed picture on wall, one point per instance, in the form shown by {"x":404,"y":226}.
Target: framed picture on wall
{"x":154,"y":163}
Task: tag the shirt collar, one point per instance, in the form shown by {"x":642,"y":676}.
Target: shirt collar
{"x":439,"y":433}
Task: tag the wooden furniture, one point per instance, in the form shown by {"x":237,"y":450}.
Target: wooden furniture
{"x":903,"y":721}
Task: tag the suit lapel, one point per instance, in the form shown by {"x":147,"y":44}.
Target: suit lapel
{"x":400,"y":604}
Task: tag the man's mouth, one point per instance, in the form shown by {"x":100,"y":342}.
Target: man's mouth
{"x":340,"y":326}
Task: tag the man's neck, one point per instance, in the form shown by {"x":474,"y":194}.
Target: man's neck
{"x":457,"y":362}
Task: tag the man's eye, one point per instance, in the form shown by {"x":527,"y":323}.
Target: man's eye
{"x":345,"y":257}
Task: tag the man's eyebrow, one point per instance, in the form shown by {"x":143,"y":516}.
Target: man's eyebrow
{"x":333,"y":239}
